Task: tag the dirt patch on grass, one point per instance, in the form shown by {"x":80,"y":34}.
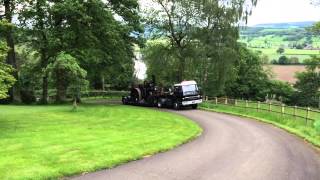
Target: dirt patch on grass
{"x":286,"y":73}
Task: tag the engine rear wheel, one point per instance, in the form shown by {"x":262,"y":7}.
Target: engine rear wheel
{"x":176,"y":106}
{"x":159,"y":104}
{"x":124,"y":101}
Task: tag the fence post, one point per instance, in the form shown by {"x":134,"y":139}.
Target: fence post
{"x":308,"y":115}
{"x":270,"y":106}
{"x":226,"y":101}
{"x":206,"y":98}
{"x":282,"y":109}
{"x":295,"y":112}
{"x":247,"y":105}
{"x":235,"y":102}
{"x":258,"y":106}
{"x":216,"y":99}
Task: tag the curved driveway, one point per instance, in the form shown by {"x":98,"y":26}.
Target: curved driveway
{"x":230,"y":148}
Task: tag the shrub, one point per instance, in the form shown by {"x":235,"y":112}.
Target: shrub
{"x":274,"y":61}
{"x":283,"y":60}
{"x":27,"y":96}
{"x":281,"y":91}
{"x":294,"y":60}
{"x":317,"y":126}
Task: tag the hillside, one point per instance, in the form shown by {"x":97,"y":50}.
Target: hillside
{"x":293,"y":37}
{"x":287,"y":25}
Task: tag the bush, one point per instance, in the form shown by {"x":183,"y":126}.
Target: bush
{"x":281,"y":91}
{"x":274,"y":61}
{"x":294,"y":60}
{"x":281,"y":50}
{"x":283,"y":60}
{"x":317,"y":126}
{"x":27,"y":96}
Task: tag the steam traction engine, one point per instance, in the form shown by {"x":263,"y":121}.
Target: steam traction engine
{"x":180,"y":95}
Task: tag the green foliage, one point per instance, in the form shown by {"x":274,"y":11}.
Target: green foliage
{"x":265,"y":59}
{"x":294,"y":60}
{"x":161,"y":61}
{"x":6,"y":78}
{"x":280,"y":51}
{"x":317,"y":126}
{"x":88,"y":31}
{"x":251,"y":80}
{"x":281,"y":91}
{"x":29,"y":74}
{"x":200,"y":41}
{"x":67,"y":73}
{"x":283,"y":60}
{"x":308,"y":84}
{"x":315,"y":28}
{"x":313,"y":63}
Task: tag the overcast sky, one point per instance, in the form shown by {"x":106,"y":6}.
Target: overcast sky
{"x":275,"y":11}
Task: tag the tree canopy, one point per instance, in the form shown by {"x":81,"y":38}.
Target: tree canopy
{"x":200,"y":39}
{"x":6,"y":78}
{"x":100,"y":35}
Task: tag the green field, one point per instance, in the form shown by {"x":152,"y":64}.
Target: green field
{"x":299,"y":53}
{"x":50,"y":142}
{"x":296,"y":126}
{"x":269,"y":39}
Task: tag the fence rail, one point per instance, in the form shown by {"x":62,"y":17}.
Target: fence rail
{"x":307,"y":114}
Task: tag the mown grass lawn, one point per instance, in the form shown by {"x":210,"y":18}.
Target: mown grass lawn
{"x":49,"y":142}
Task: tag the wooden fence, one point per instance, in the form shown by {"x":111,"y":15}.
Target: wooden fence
{"x":307,"y":114}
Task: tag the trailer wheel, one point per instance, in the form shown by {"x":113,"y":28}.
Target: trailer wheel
{"x":176,"y":105}
{"x":194,"y":106}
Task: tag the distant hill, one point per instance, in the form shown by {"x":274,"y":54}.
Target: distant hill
{"x":286,"y":25}
{"x":297,"y":41}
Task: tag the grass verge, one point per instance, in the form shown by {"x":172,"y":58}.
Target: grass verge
{"x":288,"y":123}
{"x":50,"y":142}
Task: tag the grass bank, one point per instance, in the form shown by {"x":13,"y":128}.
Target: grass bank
{"x":50,"y":142}
{"x":288,"y":123}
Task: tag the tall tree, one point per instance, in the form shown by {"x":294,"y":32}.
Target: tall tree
{"x":201,"y":33}
{"x":66,"y":72}
{"x":9,"y":7}
{"x":174,"y":20}
{"x":308,"y":84}
{"x":6,"y":79}
{"x":252,"y":81}
{"x":88,"y":31}
{"x":36,"y":19}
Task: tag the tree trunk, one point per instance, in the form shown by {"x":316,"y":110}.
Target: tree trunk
{"x":103,"y":83}
{"x":44,"y":63}
{"x":61,"y":87}
{"x":44,"y":99}
{"x":75,"y":104}
{"x":181,"y":67}
{"x":14,"y":94}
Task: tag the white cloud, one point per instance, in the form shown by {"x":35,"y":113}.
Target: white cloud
{"x":277,"y":11}
{"x":274,"y":11}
